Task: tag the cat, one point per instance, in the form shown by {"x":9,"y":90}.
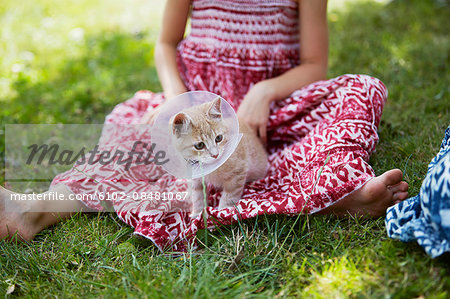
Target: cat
{"x":200,"y":135}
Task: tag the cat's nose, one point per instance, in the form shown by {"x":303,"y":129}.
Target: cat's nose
{"x":215,"y":156}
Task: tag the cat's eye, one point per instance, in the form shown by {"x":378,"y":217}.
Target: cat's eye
{"x":219,"y":138}
{"x":199,"y":146}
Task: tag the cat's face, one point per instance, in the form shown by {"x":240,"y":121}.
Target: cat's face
{"x":199,"y":132}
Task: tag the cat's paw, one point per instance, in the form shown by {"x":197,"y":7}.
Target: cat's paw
{"x":194,"y":213}
{"x":228,"y":203}
{"x":197,"y":208}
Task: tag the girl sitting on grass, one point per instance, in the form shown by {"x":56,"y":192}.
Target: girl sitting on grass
{"x":268,"y":59}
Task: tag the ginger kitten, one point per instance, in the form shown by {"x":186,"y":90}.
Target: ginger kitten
{"x":200,"y":135}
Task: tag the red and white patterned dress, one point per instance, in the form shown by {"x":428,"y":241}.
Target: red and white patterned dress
{"x":320,"y":138}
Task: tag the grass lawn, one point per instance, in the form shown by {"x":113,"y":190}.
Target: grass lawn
{"x":72,"y":61}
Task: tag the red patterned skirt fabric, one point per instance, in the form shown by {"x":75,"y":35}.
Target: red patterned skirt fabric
{"x":320,"y":140}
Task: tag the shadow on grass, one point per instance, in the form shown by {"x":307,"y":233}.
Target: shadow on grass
{"x":405,"y":44}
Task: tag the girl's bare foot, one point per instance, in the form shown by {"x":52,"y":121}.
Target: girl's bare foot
{"x":24,"y":219}
{"x":374,"y":197}
{"x":14,"y":218}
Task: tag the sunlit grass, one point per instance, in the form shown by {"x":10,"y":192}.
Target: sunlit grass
{"x":341,"y":278}
{"x":53,"y":32}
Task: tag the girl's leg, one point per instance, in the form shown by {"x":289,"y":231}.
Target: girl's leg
{"x":26,"y":218}
{"x":380,"y":192}
{"x":337,"y":122}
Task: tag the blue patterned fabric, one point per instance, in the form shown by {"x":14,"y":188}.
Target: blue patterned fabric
{"x":426,"y":217}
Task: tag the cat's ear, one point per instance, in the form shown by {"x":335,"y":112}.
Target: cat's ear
{"x":181,"y":124}
{"x":214,"y":110}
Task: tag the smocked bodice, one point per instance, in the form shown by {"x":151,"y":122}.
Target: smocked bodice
{"x":233,"y":44}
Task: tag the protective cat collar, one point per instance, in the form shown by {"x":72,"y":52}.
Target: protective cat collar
{"x":162,"y":135}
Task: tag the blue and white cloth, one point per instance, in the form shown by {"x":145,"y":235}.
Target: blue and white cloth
{"x":426,"y":217}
